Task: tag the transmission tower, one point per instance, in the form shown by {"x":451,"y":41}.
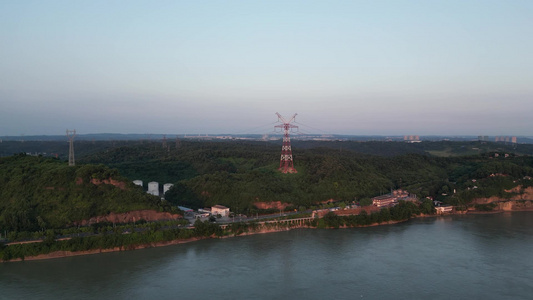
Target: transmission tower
{"x":70,"y":135}
{"x":286,"y":163}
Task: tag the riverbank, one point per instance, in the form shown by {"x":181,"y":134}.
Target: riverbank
{"x":63,"y":254}
{"x":263,"y":230}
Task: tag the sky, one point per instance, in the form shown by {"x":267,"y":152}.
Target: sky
{"x":450,"y":67}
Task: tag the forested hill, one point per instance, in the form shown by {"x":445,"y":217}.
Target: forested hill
{"x":238,"y":174}
{"x":85,"y":148}
{"x":37,"y":192}
{"x":434,"y":148}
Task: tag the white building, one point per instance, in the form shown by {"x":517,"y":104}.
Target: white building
{"x":153,"y":188}
{"x":204,"y":210}
{"x":220,"y":210}
{"x":138,"y":182}
{"x":167,"y":187}
{"x":444,"y":209}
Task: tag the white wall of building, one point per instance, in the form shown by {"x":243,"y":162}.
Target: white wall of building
{"x":153,"y":188}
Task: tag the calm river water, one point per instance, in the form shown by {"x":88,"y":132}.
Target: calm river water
{"x":454,"y":257}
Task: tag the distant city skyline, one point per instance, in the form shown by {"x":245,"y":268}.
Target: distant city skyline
{"x":225,"y":67}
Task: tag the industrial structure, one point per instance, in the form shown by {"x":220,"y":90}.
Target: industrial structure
{"x":286,"y":163}
{"x":153,"y":188}
{"x":167,"y":187}
{"x":138,"y":182}
{"x":70,"y":135}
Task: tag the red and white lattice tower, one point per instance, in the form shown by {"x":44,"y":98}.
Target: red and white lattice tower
{"x":286,"y":163}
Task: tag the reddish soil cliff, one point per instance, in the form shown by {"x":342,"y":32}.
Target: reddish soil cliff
{"x":132,"y":216}
{"x":521,"y":194}
{"x":270,"y":205}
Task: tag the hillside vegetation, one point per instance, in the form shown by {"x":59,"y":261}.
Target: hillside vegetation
{"x":39,"y":193}
{"x":238,"y":174}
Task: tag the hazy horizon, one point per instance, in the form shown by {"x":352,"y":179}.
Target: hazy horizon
{"x":446,"y":68}
{"x":293,"y":135}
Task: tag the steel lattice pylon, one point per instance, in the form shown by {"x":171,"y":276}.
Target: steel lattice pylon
{"x":286,"y":163}
{"x":70,"y":135}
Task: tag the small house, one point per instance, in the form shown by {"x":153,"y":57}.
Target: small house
{"x":220,"y":210}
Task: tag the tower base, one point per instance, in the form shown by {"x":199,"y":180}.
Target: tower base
{"x":288,"y":170}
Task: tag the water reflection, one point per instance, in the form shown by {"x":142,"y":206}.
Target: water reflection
{"x":482,"y":256}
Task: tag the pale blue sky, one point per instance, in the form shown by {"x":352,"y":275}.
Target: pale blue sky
{"x":348,"y":67}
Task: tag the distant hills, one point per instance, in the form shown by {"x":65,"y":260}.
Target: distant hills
{"x":59,"y":148}
{"x":333,"y":137}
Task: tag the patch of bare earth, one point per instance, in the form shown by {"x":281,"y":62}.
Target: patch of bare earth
{"x":271,"y":205}
{"x":521,"y":194}
{"x":522,"y":200}
{"x":132,"y":216}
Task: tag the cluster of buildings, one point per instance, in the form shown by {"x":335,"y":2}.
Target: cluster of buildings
{"x":411,"y":138}
{"x":216,"y":211}
{"x":393,"y":198}
{"x":505,"y":139}
{"x":153,"y":187}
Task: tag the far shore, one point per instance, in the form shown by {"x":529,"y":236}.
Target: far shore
{"x":62,"y":254}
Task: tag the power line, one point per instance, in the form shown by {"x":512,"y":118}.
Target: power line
{"x":322,"y":131}
{"x":251,"y":130}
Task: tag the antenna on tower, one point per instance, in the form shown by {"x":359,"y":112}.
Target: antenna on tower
{"x":70,"y":135}
{"x":286,"y":162}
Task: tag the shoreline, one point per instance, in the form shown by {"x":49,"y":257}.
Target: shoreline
{"x":63,"y":254}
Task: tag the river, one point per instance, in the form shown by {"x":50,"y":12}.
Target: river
{"x":452,"y":257}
